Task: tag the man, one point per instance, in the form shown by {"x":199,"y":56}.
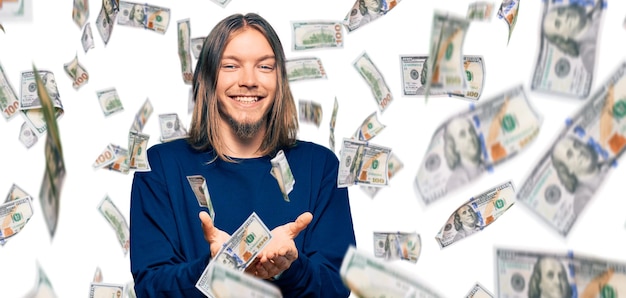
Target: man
{"x":549,"y":280}
{"x":465,"y":222}
{"x":244,"y":114}
{"x":462,"y":152}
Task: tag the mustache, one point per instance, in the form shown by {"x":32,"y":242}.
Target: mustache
{"x":246,"y":93}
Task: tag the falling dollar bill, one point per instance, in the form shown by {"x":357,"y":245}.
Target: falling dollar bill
{"x":142,"y":116}
{"x":521,"y":273}
{"x":244,"y":244}
{"x":76,"y":72}
{"x":306,"y":35}
{"x":13,"y":216}
{"x":469,"y":143}
{"x":363,"y":12}
{"x":27,"y":136}
{"x":370,"y":127}
{"x":110,"y":102}
{"x":152,"y":17}
{"x":310,"y":112}
{"x":333,"y":122}
{"x":508,"y":12}
{"x":43,"y":286}
{"x":397,"y":246}
{"x":196,"y":46}
{"x":138,"y":151}
{"x":222,"y":281}
{"x":121,"y":163}
{"x":480,"y":11}
{"x":474,"y":76}
{"x":476,"y":214}
{"x":184,"y":50}
{"x":80,"y":12}
{"x":201,"y":191}
{"x":105,"y":158}
{"x":363,"y":163}
{"x":479,"y":291}
{"x":87,"y":38}
{"x":394,"y":165}
{"x":445,"y":66}
{"x":567,"y":176}
{"x":282,"y":172}
{"x":117,"y":222}
{"x":105,"y":290}
{"x":566,"y":58}
{"x":15,"y":193}
{"x":368,"y":276}
{"x":105,"y":23}
{"x":306,"y":68}
{"x":374,"y":79}
{"x":31,"y":102}
{"x":171,"y":127}
{"x":8,"y":99}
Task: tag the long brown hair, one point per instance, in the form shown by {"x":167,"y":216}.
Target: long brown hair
{"x":282,"y":122}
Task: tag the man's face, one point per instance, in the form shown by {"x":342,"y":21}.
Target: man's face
{"x":466,"y":215}
{"x":552,"y":273}
{"x":465,"y":138}
{"x":246,"y":82}
{"x":138,"y":13}
{"x":565,"y":21}
{"x":577,"y":157}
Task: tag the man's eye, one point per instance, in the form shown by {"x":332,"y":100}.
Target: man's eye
{"x":267,"y":67}
{"x":228,"y":66}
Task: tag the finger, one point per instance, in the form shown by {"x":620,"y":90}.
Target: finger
{"x":282,"y":263}
{"x":300,"y":224}
{"x":205,"y":219}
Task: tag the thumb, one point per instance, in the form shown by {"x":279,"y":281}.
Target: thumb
{"x":300,"y":224}
{"x":207,"y":225}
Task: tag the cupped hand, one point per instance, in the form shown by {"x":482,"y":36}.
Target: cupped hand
{"x":214,"y":236}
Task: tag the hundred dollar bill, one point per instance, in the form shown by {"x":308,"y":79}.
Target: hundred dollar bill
{"x":27,"y":136}
{"x":105,"y":290}
{"x":479,"y":291}
{"x":171,"y":127}
{"x":110,"y":102}
{"x":393,"y":166}
{"x":142,"y":116}
{"x":43,"y":286}
{"x":375,"y":80}
{"x":221,"y":3}
{"x":282,"y":172}
{"x":196,"y":46}
{"x":15,"y":193}
{"x":306,"y":35}
{"x":146,"y":16}
{"x":76,"y":72}
{"x":122,"y":161}
{"x":476,"y":214}
{"x":480,"y":11}
{"x":8,"y":100}
{"x":184,"y":48}
{"x":370,"y":127}
{"x":137,"y":152}
{"x":598,"y":277}
{"x":310,"y":112}
{"x":567,"y":176}
{"x":244,"y":244}
{"x":80,"y":12}
{"x":87,"y":38}
{"x":117,"y":222}
{"x":566,"y":59}
{"x":508,"y":12}
{"x":414,"y":75}
{"x":54,"y":173}
{"x":469,"y":143}
{"x":305,"y":69}
{"x":363,"y":12}
{"x":363,"y":163}
{"x":333,"y":121}
{"x":475,"y":77}
{"x":445,"y":66}
{"x":105,"y":24}
{"x":31,"y":103}
{"x":130,"y":289}
{"x":397,"y":246}
{"x":13,"y":216}
{"x":201,"y":191}
{"x":368,"y":276}
{"x":105,"y":158}
{"x":221,"y":281}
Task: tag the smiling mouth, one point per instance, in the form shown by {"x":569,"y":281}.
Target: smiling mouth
{"x":246,"y":99}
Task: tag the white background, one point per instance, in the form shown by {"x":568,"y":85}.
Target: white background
{"x":144,"y":64}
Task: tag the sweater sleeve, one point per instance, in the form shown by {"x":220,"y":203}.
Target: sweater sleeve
{"x":158,"y":265}
{"x":324,"y":243}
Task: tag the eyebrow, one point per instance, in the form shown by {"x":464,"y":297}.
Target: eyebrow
{"x":262,"y":58}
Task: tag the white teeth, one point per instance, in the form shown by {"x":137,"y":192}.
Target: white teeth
{"x":246,"y":99}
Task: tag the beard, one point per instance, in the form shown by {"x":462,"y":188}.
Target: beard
{"x":243,"y":130}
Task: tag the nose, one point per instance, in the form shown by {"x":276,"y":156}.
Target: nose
{"x":247,"y":77}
